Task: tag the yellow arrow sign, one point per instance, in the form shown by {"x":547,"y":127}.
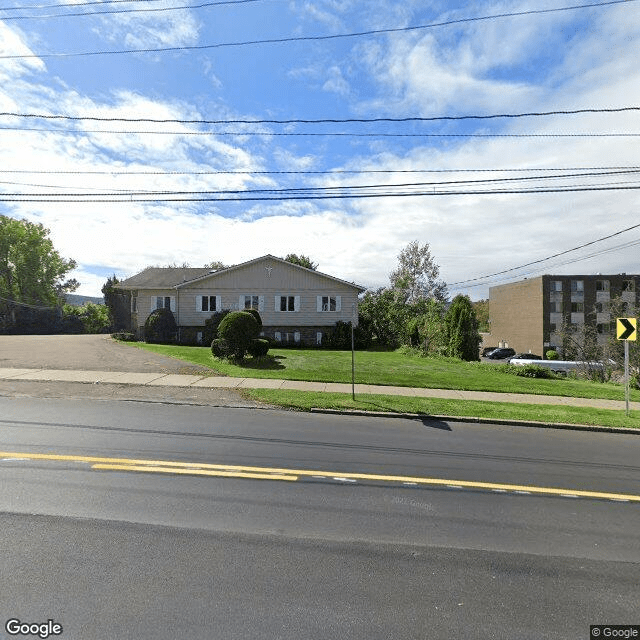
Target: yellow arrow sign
{"x":626,"y":328}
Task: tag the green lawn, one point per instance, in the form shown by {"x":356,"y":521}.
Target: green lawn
{"x":388,"y":368}
{"x":302,"y":400}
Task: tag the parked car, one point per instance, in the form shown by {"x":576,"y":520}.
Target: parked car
{"x":525,"y":356}
{"x":501,"y":353}
{"x":487,"y":350}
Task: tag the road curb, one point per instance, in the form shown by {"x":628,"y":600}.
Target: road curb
{"x":477,"y":420}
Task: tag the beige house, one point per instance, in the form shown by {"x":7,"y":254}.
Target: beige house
{"x":297,"y":305}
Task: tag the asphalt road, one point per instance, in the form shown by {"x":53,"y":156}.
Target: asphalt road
{"x":117,"y":553}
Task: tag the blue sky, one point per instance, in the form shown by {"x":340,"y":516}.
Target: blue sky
{"x":562,"y":60}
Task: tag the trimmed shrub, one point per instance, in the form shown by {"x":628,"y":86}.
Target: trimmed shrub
{"x":220,"y":348}
{"x":259,"y":347}
{"x":189,"y":335}
{"x":124,"y":336}
{"x":256,"y":315}
{"x":552,"y":354}
{"x":160,"y":327}
{"x":210,"y":331}
{"x":339,"y":337}
{"x":238,"y":329}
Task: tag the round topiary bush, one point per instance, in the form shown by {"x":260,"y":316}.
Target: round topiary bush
{"x":211,"y":325}
{"x":238,"y":329}
{"x":552,"y":354}
{"x":220,"y":348}
{"x":259,"y":347}
{"x":256,"y":315}
{"x":160,"y":327}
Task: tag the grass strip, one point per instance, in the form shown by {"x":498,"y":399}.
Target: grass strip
{"x":305,"y":400}
{"x":388,"y":368}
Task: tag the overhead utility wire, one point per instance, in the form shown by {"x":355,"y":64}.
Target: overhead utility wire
{"x":358,"y":34}
{"x":490,"y":116}
{"x":555,"y":255}
{"x":118,"y":11}
{"x":335,"y":134}
{"x":311,"y":172}
{"x":331,"y":188}
{"x":113,"y":198}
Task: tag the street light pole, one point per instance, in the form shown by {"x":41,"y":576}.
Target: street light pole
{"x":353,"y":354}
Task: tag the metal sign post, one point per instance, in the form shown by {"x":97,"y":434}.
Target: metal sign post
{"x":353,"y":354}
{"x":626,"y":329}
{"x":626,"y":376}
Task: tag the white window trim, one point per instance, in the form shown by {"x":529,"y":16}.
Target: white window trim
{"x":278,"y":302}
{"x":319,"y":308}
{"x":199,"y":304}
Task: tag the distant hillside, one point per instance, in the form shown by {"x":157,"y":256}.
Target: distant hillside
{"x":80,"y":301}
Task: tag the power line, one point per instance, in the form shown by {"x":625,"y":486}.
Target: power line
{"x":283,"y":40}
{"x":332,"y":188}
{"x":202,"y":196}
{"x":555,"y":255}
{"x":491,"y":116}
{"x":338,"y":134}
{"x":114,"y":11}
{"x":314,"y":172}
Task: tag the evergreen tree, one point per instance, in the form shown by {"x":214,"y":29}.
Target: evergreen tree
{"x":461,"y":326}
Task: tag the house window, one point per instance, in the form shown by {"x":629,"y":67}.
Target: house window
{"x":278,"y":336}
{"x":577,"y":286}
{"x":163,"y":302}
{"x":296,"y":336}
{"x":134,"y":304}
{"x":319,"y":337}
{"x":602,"y":285}
{"x":287,"y":303}
{"x":577,"y":307}
{"x":328,"y":303}
{"x":199,"y":337}
{"x":628,"y":285}
{"x":251,"y":302}
{"x":208,"y":303}
{"x":555,"y":306}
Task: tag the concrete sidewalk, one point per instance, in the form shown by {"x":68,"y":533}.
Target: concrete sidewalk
{"x":173,"y":380}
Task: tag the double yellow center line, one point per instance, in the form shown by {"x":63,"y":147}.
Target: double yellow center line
{"x":269,"y":473}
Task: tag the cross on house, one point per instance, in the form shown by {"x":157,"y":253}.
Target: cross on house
{"x":269,"y":269}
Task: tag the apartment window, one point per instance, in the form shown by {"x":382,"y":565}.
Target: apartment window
{"x":553,"y":327}
{"x":329,"y":303}
{"x":602,"y":285}
{"x":604,"y":327}
{"x":602,"y":307}
{"x":287,"y":303}
{"x":577,"y":307}
{"x":628,"y":285}
{"x":555,"y":306}
{"x":556,"y":285}
{"x":577,"y":286}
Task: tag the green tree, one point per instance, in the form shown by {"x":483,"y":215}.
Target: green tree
{"x":31,"y":270}
{"x":90,"y":318}
{"x":118,"y":303}
{"x":481,"y":308}
{"x":302,"y":261}
{"x":417,"y":275}
{"x":215,"y":265}
{"x":461,"y":326}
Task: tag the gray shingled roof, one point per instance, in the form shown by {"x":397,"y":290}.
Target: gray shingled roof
{"x":162,"y":277}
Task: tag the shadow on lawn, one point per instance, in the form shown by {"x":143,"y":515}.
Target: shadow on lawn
{"x":264,"y":362}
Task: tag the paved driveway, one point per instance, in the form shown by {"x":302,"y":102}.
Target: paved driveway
{"x":85,"y":352}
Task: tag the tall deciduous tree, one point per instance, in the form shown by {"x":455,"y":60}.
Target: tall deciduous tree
{"x":418,"y":276}
{"x":302,"y":261}
{"x":31,"y":270}
{"x":462,"y":336}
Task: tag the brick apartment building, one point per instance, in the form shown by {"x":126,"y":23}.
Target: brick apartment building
{"x":528,"y":315}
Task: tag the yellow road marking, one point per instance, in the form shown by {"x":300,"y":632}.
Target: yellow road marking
{"x":271,"y":473}
{"x":192,"y":472}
